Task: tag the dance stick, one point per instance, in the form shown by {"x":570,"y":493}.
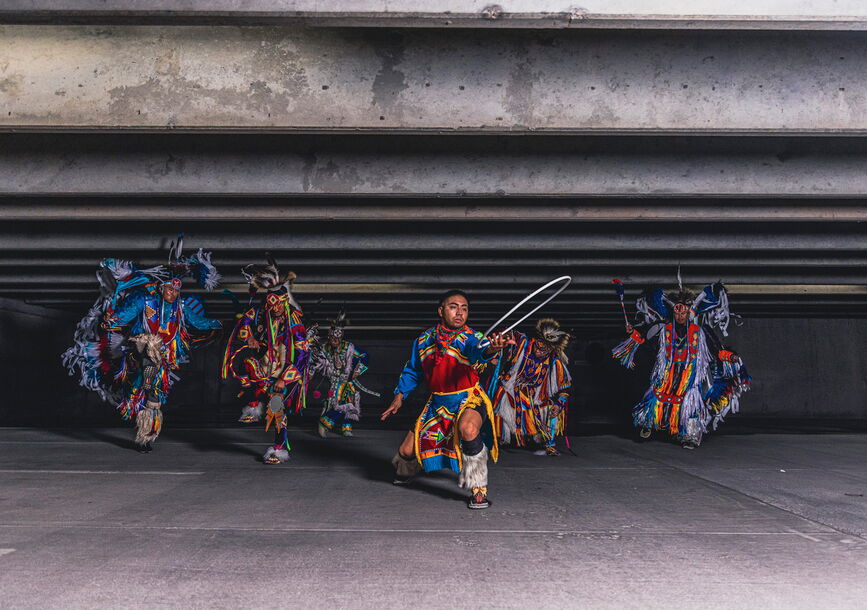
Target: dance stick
{"x":566,"y":278}
{"x":618,"y":287}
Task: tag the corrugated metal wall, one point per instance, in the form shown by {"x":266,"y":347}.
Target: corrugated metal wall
{"x":72,"y":199}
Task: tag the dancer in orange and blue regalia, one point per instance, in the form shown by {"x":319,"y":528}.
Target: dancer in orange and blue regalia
{"x":139,"y":332}
{"x":696,"y":381}
{"x":268,"y":353}
{"x":531,"y":388}
{"x":454,"y":430}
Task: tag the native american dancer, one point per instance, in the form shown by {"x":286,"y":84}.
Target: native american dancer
{"x":455,"y":428}
{"x":531,"y":388}
{"x":268,"y":353}
{"x":139,"y":332}
{"x":341,"y":363}
{"x":695,"y":381}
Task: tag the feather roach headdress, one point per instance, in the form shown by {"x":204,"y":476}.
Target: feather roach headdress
{"x":683,"y":296}
{"x":197,"y":266}
{"x":680,"y":296}
{"x":338,"y":324}
{"x":548,"y":330}
{"x":268,"y":277}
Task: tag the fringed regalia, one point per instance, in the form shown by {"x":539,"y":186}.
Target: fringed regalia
{"x":268,"y":349}
{"x":131,"y":342}
{"x":695,"y":382}
{"x":447,"y":359}
{"x":341,"y":366}
{"x":531,"y":393}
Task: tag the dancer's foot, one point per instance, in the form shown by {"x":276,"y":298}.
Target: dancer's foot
{"x":644,"y":433}
{"x":248,"y":419}
{"x":552,"y":451}
{"x":146,"y":447}
{"x":479,"y":499}
{"x":689,"y":445}
{"x":347,"y":432}
{"x":275,"y":455}
{"x":320,"y":429}
{"x":399,"y":480}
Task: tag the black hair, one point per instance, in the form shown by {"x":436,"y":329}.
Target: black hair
{"x":451,"y":293}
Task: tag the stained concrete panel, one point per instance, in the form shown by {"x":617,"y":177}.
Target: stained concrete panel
{"x":294,"y":78}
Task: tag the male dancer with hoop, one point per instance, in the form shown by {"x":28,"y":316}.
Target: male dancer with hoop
{"x":454,"y":429}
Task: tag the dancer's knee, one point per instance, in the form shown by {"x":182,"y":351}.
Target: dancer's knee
{"x":469,"y":425}
{"x":407,"y":447}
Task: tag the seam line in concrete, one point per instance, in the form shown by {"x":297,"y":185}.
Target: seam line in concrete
{"x":565,"y":532}
{"x":147,"y":472}
{"x":757,"y":499}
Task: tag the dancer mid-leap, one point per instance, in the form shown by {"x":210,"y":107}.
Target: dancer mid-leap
{"x":139,"y":332}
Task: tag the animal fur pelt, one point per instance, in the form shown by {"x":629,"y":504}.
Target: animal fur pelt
{"x":149,"y":422}
{"x":149,"y":344}
{"x":548,"y":330}
{"x":475,"y":470}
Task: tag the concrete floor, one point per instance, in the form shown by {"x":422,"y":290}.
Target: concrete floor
{"x":770,"y":521}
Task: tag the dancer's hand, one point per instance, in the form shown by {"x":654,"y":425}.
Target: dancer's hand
{"x":393,"y":408}
{"x":252,"y":343}
{"x":498,"y":342}
{"x":279,"y":385}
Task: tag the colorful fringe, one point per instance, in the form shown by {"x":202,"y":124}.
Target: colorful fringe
{"x":625,"y":351}
{"x":723,"y":396}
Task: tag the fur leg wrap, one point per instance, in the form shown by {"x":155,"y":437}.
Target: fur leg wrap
{"x":475,"y":470}
{"x":405,"y":467}
{"x":280,"y":454}
{"x":149,"y":422}
{"x":253,"y":410}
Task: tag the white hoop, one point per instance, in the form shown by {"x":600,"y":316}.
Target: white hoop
{"x":566,"y":279}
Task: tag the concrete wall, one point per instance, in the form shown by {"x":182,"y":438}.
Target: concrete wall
{"x":33,"y":382}
{"x":291,"y":78}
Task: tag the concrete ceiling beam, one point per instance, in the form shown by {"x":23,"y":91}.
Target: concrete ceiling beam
{"x":536,"y":14}
{"x":299,"y":79}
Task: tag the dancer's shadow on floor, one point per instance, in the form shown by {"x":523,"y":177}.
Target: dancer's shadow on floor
{"x":374,"y":464}
{"x":211,"y":440}
{"x":118,"y":437}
